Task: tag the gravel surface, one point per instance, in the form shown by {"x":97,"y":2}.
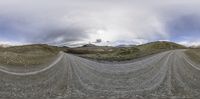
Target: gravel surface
{"x":168,"y":75}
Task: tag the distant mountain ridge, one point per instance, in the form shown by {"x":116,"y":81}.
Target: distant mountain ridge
{"x":4,"y":45}
{"x":120,"y":53}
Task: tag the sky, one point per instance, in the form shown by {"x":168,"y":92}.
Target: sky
{"x":115,"y":22}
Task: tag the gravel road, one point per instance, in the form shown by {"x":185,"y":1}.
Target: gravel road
{"x":168,"y":75}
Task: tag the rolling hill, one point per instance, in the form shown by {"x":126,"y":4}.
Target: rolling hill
{"x":159,"y":46}
{"x":41,"y":53}
{"x":27,"y":55}
{"x":125,"y":53}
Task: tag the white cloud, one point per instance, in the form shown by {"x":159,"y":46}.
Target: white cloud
{"x":190,"y":43}
{"x":7,"y":43}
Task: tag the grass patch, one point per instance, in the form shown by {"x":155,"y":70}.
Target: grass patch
{"x":194,"y":54}
{"x":27,"y":55}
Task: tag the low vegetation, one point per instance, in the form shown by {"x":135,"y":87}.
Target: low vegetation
{"x":159,"y":46}
{"x":27,"y":55}
{"x":124,"y":53}
{"x":37,"y":54}
{"x":194,"y":54}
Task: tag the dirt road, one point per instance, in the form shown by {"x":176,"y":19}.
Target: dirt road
{"x":166,"y":75}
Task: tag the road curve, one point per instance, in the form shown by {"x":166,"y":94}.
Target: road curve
{"x":166,"y":75}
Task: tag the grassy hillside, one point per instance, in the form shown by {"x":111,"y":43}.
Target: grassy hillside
{"x":159,"y":46}
{"x":91,"y":50}
{"x":27,"y":55}
{"x":126,"y":53}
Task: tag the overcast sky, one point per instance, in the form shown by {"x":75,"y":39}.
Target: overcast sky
{"x":81,"y":21}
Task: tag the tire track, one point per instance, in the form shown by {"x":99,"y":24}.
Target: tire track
{"x":166,"y":75}
{"x":3,"y":69}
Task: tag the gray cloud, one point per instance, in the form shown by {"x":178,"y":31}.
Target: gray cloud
{"x":63,"y":21}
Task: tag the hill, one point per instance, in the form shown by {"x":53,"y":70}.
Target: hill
{"x":91,"y":50}
{"x":37,"y":54}
{"x":4,"y":45}
{"x":125,"y":53}
{"x":27,"y":55}
{"x":34,"y":47}
{"x":159,"y":46}
{"x":89,"y":45}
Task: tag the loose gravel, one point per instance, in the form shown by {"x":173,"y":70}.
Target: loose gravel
{"x":166,"y":75}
